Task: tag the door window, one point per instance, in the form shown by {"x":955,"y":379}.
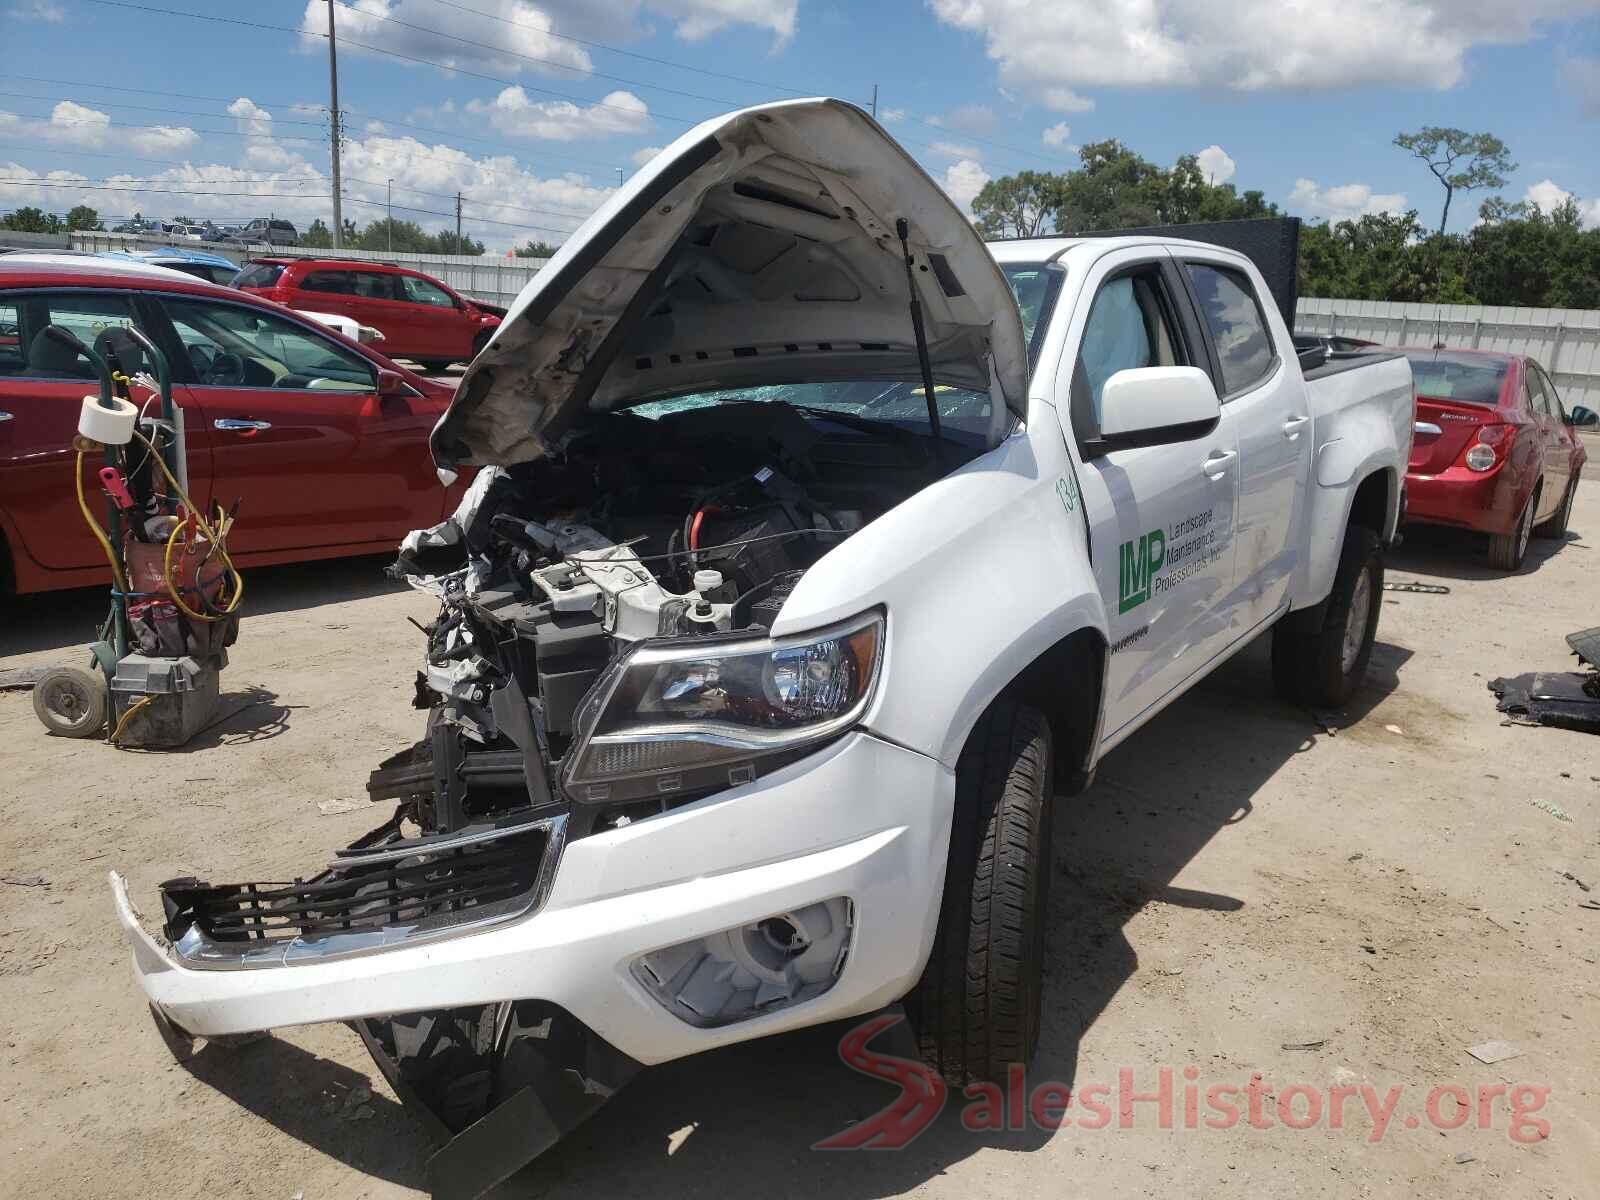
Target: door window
{"x":1233,"y":316}
{"x":420,"y":291}
{"x":1129,"y":326}
{"x":374,"y":285}
{"x":32,"y":355}
{"x":230,"y":345}
{"x":341,"y":283}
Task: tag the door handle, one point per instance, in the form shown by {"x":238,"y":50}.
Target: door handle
{"x":234,"y":425}
{"x":1425,"y":427}
{"x":1218,"y":463}
{"x":1293,"y":426}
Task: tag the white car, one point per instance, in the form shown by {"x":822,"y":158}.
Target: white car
{"x":820,"y":551}
{"x":349,"y":326}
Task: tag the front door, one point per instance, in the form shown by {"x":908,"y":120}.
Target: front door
{"x":1161,"y":517}
{"x":302,"y":442}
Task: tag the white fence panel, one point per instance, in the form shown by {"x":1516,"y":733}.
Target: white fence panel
{"x":1565,"y":341}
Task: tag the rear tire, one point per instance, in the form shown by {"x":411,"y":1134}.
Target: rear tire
{"x":479,"y":342}
{"x":1507,"y":550}
{"x":1556,"y":526}
{"x":976,"y":1009}
{"x":1321,"y":663}
{"x":435,"y":366}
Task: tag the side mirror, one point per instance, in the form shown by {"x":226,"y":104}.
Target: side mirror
{"x":1152,"y":406}
{"x":390,"y":383}
{"x":1580,"y":417}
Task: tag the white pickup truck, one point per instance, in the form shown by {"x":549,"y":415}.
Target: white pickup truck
{"x":820,"y":552}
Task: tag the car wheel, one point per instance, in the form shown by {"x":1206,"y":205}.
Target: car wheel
{"x":71,"y":702}
{"x":976,"y":1009}
{"x":1320,"y":656}
{"x":1556,"y":526}
{"x":479,"y":342}
{"x":1507,"y":550}
{"x":435,"y":366}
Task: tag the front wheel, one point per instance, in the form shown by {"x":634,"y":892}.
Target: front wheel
{"x":435,"y":366}
{"x":1322,"y":662}
{"x":976,"y":1009}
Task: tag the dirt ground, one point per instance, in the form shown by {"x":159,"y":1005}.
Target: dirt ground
{"x":1238,"y":883}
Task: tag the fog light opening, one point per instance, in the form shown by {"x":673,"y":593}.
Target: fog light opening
{"x":747,"y":970}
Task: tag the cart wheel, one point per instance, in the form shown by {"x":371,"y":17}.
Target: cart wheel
{"x":71,"y":702}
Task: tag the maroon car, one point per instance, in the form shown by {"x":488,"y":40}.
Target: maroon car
{"x":420,"y":318}
{"x":1494,"y":450}
{"x":322,"y":442}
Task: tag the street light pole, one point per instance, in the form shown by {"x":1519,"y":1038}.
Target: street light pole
{"x":333,"y":119}
{"x":389,"y":208}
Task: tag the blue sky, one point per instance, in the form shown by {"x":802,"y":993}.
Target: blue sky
{"x":549,"y":99}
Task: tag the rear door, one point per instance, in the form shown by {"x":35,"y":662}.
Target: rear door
{"x":1264,"y":402}
{"x":440,"y":325}
{"x":1556,"y":435}
{"x":302,"y":441}
{"x":42,"y":385}
{"x":1161,"y":517}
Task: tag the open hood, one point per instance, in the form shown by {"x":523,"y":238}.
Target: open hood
{"x":759,"y":248}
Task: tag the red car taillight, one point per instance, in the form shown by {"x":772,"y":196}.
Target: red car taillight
{"x":1489,"y":447}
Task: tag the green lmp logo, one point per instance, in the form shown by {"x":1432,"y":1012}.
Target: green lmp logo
{"x":1137,"y":564}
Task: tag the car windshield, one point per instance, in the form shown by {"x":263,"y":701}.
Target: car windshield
{"x":963,"y":412}
{"x":1469,"y":378}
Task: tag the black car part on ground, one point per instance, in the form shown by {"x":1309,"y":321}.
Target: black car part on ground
{"x":1561,"y":699}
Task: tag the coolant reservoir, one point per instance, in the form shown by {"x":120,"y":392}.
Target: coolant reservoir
{"x":707,"y":581}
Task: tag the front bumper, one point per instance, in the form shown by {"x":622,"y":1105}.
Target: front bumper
{"x":861,"y":819}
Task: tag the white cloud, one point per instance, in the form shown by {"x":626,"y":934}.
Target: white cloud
{"x":697,"y":19}
{"x":38,"y":10}
{"x":77,"y":125}
{"x":517,"y":28}
{"x":561,"y":120}
{"x":890,"y":115}
{"x":1064,"y":99}
{"x":1342,"y":202}
{"x":1051,"y":51}
{"x":1581,"y":77}
{"x":955,"y":150}
{"x":1547,"y":196}
{"x":963,"y":181}
{"x":969,"y":118}
{"x":251,"y":118}
{"x":1057,"y":135}
{"x":1216,"y":164}
{"x":645,"y":154}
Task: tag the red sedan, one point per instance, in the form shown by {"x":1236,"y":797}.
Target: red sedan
{"x":1494,"y":449}
{"x":420,"y":318}
{"x":322,"y":442}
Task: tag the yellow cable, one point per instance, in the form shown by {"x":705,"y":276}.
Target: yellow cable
{"x":205,"y":528}
{"x":99,"y":534}
{"x":116,"y":734}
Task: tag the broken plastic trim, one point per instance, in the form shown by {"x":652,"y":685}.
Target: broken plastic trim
{"x":373,"y":897}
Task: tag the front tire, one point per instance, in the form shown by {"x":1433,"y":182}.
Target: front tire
{"x":435,"y":366}
{"x":976,"y":1009}
{"x":1556,"y":526}
{"x":1321,"y":663}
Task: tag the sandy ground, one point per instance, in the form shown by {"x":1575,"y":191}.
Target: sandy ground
{"x":1238,"y":881}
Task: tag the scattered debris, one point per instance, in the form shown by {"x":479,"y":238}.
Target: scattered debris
{"x":1169,"y":971}
{"x":1581,"y":884}
{"x":1429,"y":589}
{"x":25,"y":880}
{"x":1316,"y":1045}
{"x":1493,"y":1052}
{"x":21,"y":679}
{"x":1586,"y":645}
{"x":1324,"y":721}
{"x":332,"y":808}
{"x":1356,"y":857}
{"x":1560,"y":699}
{"x":1395,"y":729}
{"x":1592,"y":904}
{"x":1464,"y":1157}
{"x":1369,"y":947}
{"x":1555,"y":810}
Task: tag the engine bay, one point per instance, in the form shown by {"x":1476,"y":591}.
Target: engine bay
{"x":650,"y":525}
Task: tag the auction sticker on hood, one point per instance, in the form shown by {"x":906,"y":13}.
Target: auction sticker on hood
{"x":1157,"y":561}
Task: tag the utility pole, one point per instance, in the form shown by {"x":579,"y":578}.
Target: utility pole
{"x":874,"y":102}
{"x":459,"y":250}
{"x":388,"y":208}
{"x":333,"y":119}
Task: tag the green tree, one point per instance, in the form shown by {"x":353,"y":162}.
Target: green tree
{"x":317,"y":236}
{"x":32,"y":220}
{"x":1460,"y":161}
{"x":85,"y":218}
{"x":1017,"y":205}
{"x":533,"y":249}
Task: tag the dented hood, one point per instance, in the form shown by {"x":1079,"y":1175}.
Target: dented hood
{"x":759,"y":248}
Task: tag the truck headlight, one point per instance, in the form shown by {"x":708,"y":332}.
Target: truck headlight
{"x":685,"y":712}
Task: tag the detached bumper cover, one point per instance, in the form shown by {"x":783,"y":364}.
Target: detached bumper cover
{"x":861,"y":819}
